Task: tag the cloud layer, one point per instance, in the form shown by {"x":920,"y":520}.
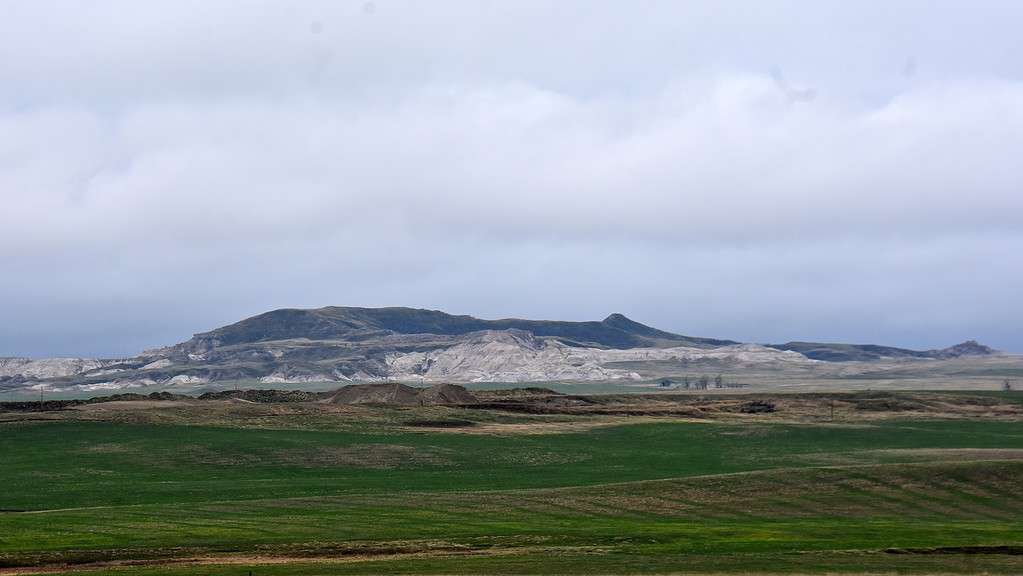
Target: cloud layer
{"x":166,"y":171}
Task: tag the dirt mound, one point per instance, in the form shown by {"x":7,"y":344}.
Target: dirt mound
{"x":262,"y":396}
{"x":387,"y":393}
{"x":395,"y":394}
{"x":447,"y":394}
{"x":757,"y":407}
{"x":52,"y":405}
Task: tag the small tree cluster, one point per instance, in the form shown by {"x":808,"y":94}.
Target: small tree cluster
{"x":700,"y":383}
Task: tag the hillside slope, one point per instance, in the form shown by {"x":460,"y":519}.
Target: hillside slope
{"x":346,"y":344}
{"x":360,"y":324}
{"x":867,"y":352}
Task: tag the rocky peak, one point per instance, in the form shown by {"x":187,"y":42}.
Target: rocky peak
{"x":968,"y":348}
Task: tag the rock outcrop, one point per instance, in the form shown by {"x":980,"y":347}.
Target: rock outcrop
{"x":47,"y":368}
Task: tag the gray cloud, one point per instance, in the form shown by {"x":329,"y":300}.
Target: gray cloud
{"x":165,"y":170}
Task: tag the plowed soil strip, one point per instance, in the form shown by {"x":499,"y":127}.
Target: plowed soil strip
{"x":258,"y":559}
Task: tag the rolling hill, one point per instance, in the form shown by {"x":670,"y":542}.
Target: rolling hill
{"x":868,"y":352}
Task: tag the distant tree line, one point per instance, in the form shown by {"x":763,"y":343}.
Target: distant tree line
{"x":702,"y":382}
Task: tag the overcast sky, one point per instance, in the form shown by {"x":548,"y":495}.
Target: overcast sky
{"x":761,"y":171}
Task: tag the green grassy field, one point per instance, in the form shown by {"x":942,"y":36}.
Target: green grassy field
{"x":902,"y":496}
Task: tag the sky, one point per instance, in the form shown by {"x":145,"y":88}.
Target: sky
{"x":761,"y":171}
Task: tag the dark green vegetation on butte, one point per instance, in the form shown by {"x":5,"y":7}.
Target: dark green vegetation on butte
{"x":347,"y":323}
{"x":282,"y":491}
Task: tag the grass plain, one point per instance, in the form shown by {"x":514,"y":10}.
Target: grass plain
{"x":163,"y":489}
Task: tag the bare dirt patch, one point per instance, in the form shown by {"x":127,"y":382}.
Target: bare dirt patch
{"x":313,"y":555}
{"x":541,"y":427}
{"x":131,"y":405}
{"x":441,"y":423}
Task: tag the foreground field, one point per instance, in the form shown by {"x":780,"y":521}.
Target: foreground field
{"x":894,"y":492}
